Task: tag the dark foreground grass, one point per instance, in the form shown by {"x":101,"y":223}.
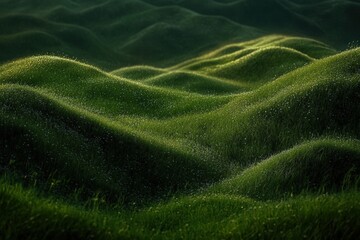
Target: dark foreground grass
{"x":328,"y":165}
{"x":25,"y":215}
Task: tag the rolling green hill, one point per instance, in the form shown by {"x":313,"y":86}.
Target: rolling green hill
{"x":256,"y":139}
{"x":179,"y":119}
{"x":331,"y":21}
{"x":99,"y":32}
{"x":112,"y":34}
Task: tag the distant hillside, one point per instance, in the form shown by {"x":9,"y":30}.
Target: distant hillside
{"x":112,"y":34}
{"x":334,"y":22}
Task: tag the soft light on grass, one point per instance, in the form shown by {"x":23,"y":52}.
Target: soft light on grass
{"x":178,"y":153}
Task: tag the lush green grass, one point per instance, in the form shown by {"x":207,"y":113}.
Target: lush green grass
{"x":257,"y":139}
{"x":315,"y":101}
{"x":322,"y":165}
{"x":25,"y":215}
{"x":107,"y":94}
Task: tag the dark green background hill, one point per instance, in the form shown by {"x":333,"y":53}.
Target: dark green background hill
{"x":118,"y":33}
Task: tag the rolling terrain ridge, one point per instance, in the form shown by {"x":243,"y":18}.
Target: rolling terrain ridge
{"x":179,"y":119}
{"x":256,"y":139}
{"x":113,"y":34}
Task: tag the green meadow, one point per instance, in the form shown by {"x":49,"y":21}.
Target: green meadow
{"x":181,"y":119}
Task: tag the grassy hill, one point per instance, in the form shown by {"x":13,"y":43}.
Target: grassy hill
{"x":161,"y":33}
{"x":256,"y":139}
{"x":179,"y":119}
{"x":99,"y":32}
{"x":321,"y":19}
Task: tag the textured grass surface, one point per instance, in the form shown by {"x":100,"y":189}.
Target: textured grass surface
{"x":187,"y":121}
{"x":256,"y":140}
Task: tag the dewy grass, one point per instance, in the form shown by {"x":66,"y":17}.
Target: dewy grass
{"x":199,"y":150}
{"x":196,"y":217}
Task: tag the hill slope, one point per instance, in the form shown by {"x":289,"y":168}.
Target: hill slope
{"x":113,"y":34}
{"x":257,"y":137}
